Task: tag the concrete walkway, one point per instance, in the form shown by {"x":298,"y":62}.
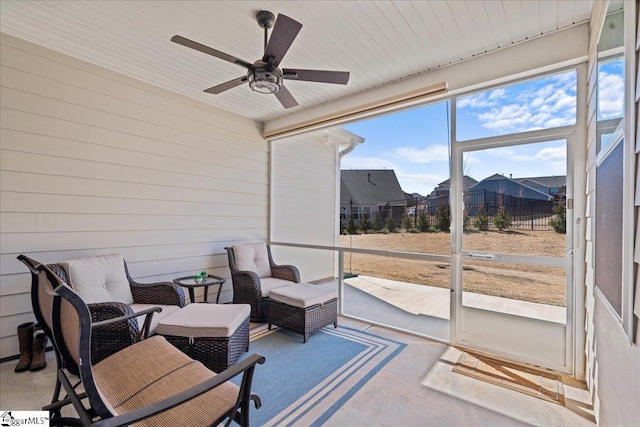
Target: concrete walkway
{"x":434,"y":302}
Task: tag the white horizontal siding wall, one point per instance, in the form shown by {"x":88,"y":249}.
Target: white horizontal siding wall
{"x":303,"y":201}
{"x":613,"y":363}
{"x":93,"y":162}
{"x":598,"y":15}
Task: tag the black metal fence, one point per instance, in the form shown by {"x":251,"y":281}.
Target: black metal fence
{"x":532,"y":214}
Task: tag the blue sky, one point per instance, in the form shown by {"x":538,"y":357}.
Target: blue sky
{"x":610,"y":89}
{"x":414,"y":143}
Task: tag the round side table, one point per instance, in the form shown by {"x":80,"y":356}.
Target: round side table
{"x":189,"y":283}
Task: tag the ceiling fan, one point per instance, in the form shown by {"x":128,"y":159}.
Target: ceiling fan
{"x":264,"y":76}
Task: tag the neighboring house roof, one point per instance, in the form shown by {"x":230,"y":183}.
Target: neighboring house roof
{"x":370,"y":186}
{"x":539,"y":182}
{"x":503,"y":185}
{"x":465,"y":179}
{"x":495,"y":176}
{"x":444,"y":186}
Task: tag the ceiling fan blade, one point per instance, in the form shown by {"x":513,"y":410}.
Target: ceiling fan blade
{"x":286,"y":99}
{"x":337,"y":77}
{"x":210,"y":51}
{"x":227,"y":85}
{"x":284,"y":33}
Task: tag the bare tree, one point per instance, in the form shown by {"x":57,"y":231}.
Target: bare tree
{"x":502,"y":191}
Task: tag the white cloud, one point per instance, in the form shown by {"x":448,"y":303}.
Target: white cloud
{"x":430,"y":154}
{"x":555,"y":122}
{"x":610,"y":95}
{"x":537,"y":159}
{"x":552,"y":154}
{"x":497,"y":94}
{"x":481,"y":100}
{"x":551,"y":105}
{"x":547,"y":154}
{"x":419,"y":183}
{"x":349,"y":162}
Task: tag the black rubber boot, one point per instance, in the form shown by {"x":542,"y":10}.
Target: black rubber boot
{"x":25,"y":337}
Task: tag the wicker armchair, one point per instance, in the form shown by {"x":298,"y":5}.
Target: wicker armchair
{"x":149,"y":383}
{"x":109,"y":339}
{"x":254,"y":274}
{"x":42,"y":304}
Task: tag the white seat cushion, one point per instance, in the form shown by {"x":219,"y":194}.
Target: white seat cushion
{"x":302,"y":295}
{"x":99,"y":279}
{"x":269,"y":283}
{"x":167,"y":310}
{"x":253,"y":257}
{"x":205,"y":320}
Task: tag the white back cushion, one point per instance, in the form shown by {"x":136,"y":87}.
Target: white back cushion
{"x":253,"y":257}
{"x":99,"y":279}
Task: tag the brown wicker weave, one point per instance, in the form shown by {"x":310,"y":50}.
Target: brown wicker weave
{"x":303,"y":320}
{"x":216,"y":354}
{"x":149,"y":383}
{"x":109,"y":339}
{"x":246,"y":285}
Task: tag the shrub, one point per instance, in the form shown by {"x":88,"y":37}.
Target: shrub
{"x":502,"y":220}
{"x":423,"y":222}
{"x":351,"y":226}
{"x":559,"y":222}
{"x":443,"y":218}
{"x":391,"y":225}
{"x":481,"y":221}
{"x":407,"y":223}
{"x":378,"y":222}
{"x":365,"y":225}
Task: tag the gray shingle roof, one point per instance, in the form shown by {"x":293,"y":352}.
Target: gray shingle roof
{"x":547,"y":181}
{"x":370,"y":186}
{"x":501,"y":184}
{"x":444,"y":186}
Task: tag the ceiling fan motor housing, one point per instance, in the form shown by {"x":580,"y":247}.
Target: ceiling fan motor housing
{"x":264,"y":78}
{"x":265,"y":19}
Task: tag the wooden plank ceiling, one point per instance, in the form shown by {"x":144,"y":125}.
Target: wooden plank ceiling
{"x":378,"y":42}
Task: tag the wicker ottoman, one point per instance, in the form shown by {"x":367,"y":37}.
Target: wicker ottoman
{"x":302,"y":308}
{"x":214,"y":334}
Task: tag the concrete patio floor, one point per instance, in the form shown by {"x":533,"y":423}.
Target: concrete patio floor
{"x":416,"y":388}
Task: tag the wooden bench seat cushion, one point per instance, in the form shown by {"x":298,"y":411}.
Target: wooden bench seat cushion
{"x":153,"y":369}
{"x":302,"y":295}
{"x":205,"y":320}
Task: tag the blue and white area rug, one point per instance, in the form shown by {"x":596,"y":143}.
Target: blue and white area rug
{"x":304,"y":384}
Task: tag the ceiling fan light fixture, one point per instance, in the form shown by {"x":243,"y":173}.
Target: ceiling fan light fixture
{"x":263,"y":75}
{"x":266,"y":82}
